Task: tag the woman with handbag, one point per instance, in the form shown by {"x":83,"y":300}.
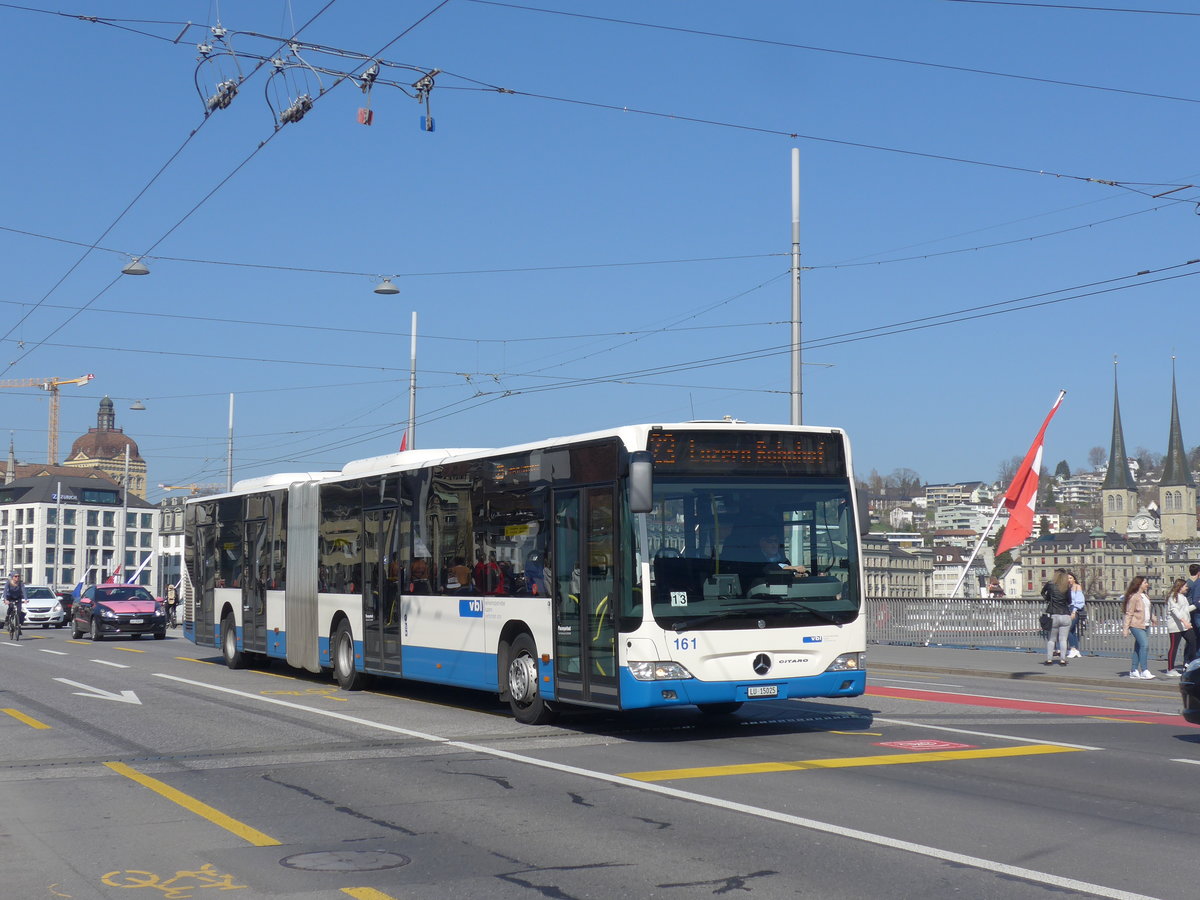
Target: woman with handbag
{"x":1057,"y":594}
{"x":1179,"y":626}
{"x":1138,"y":619}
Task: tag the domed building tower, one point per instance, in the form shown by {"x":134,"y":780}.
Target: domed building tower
{"x":103,"y":448}
{"x":1176,"y":488}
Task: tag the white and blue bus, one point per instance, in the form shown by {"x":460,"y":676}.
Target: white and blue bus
{"x":703,"y":563}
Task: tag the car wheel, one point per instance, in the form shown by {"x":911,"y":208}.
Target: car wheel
{"x":61,"y":625}
{"x":45,"y":627}
{"x":76,"y":631}
{"x":234,"y":658}
{"x":348,"y":677}
{"x":96,"y":635}
{"x":160,"y":635}
{"x":524,"y":698}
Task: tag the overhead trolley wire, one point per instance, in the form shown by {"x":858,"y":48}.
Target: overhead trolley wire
{"x":851,"y":53}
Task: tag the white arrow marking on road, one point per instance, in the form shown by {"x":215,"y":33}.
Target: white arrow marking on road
{"x":123,"y":697}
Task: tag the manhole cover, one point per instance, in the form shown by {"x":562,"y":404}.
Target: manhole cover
{"x":346,"y":861}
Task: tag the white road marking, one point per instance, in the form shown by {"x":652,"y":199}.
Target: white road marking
{"x":880,"y":840}
{"x":55,"y":652}
{"x":1002,"y":737}
{"x":105,"y":662}
{"x":903,"y":681}
{"x":101,"y":694}
{"x":1194,"y":762}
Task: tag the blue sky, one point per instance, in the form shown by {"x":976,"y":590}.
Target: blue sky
{"x":609,"y":243}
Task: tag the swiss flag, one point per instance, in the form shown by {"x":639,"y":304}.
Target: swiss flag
{"x":1022,"y":493}
{"x":404,"y":442}
{"x":112,"y":579}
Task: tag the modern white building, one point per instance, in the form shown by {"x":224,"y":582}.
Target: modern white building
{"x":60,"y":529}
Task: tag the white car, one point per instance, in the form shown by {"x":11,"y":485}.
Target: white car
{"x":42,"y":607}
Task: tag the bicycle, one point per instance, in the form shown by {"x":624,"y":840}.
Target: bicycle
{"x":12,"y":622}
{"x":172,"y":622}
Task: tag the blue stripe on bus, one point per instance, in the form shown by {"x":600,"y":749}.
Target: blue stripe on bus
{"x":645,"y":694}
{"x":457,"y":667}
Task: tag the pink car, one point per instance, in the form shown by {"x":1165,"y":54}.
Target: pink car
{"x":106,"y":609}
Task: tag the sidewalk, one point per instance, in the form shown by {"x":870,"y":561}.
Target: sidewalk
{"x":1110,"y":671}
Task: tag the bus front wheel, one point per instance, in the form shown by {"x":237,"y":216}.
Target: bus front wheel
{"x":524,"y":698}
{"x":348,"y":677}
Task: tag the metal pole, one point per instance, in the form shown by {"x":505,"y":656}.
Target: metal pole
{"x":58,"y":531}
{"x":229,"y":451}
{"x":124,"y":510}
{"x":412,"y":389}
{"x":797,"y":394}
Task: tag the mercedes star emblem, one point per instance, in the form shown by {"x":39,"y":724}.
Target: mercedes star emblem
{"x":762,"y":664}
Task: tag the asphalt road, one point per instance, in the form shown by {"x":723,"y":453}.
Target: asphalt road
{"x":146,"y":769}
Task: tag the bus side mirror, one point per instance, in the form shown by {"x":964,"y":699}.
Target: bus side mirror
{"x":641,"y":481}
{"x":864,"y":515}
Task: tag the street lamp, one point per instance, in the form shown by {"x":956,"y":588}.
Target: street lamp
{"x":136,"y":267}
{"x":386,"y":287}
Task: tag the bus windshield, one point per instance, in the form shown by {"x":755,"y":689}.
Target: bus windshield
{"x":752,"y":554}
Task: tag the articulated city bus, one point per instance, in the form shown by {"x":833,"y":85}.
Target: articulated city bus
{"x":703,"y":563}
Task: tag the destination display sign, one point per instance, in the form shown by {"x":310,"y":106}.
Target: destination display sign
{"x":747,"y":453}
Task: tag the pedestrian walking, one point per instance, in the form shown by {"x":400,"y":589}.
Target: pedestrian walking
{"x":1078,"y":618}
{"x":1179,"y":625}
{"x":1138,"y":619}
{"x":1057,"y":594}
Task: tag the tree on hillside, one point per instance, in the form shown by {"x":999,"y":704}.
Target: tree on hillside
{"x":1097,"y":457}
{"x":1062,"y":470}
{"x":1008,"y":469}
{"x":1148,"y":461}
{"x":1194,"y":458}
{"x":906,"y":482}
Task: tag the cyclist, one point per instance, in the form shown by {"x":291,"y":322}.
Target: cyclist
{"x":14,"y":593}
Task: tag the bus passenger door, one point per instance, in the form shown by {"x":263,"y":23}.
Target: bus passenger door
{"x":205,"y":585}
{"x":381,"y":591}
{"x":584,"y":561}
{"x":254,"y":588}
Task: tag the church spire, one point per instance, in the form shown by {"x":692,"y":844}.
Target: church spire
{"x":1118,"y":477}
{"x":1176,"y":472}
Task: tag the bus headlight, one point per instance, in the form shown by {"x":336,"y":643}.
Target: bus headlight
{"x":658,"y":671}
{"x":847,"y":662}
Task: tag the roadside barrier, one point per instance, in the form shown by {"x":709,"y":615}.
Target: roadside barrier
{"x":1000,"y":625}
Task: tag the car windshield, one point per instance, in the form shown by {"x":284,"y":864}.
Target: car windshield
{"x":732,"y":553}
{"x":39,"y":593}
{"x":123,"y":593}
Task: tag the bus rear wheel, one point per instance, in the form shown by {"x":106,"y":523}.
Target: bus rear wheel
{"x":234,"y":658}
{"x":348,"y":677}
{"x":524,"y":698}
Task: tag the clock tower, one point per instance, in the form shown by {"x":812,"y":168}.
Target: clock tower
{"x":1176,"y":488}
{"x":1118,"y":493}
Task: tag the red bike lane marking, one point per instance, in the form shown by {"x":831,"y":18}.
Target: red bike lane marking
{"x":1061,"y":709}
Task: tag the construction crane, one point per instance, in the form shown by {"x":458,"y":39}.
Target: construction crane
{"x":52,"y":385}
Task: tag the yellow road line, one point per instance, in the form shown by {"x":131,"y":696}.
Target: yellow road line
{"x":129,"y":650}
{"x":367,"y":894}
{"x":245,"y":832}
{"x":863,"y":733}
{"x":890,"y":759}
{"x":190,"y":659}
{"x":28,"y":720}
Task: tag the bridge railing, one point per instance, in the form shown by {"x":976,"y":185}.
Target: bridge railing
{"x":998,"y":624}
